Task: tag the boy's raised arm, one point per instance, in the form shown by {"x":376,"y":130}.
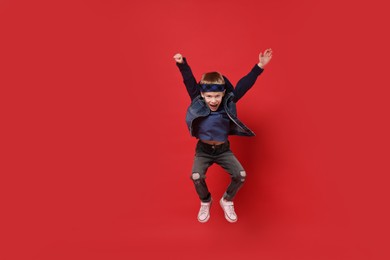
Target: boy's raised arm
{"x":188,"y":78}
{"x":245,"y":83}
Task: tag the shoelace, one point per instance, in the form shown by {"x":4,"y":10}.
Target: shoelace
{"x":204,"y":208}
{"x":229,"y":207}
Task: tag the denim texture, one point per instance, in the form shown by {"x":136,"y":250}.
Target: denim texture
{"x":205,"y":156}
{"x":198,"y":109}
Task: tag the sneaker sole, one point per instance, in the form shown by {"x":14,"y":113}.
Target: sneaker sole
{"x":204,"y":221}
{"x":226,"y":216}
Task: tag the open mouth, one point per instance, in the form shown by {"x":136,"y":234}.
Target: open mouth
{"x":213,"y":106}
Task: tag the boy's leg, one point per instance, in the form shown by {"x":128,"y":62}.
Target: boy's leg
{"x":230,"y":163}
{"x":198,"y":176}
{"x":237,"y":173}
{"x":201,"y":163}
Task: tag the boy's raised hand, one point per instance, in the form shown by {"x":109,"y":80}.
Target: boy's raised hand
{"x":178,"y":58}
{"x":265,"y":58}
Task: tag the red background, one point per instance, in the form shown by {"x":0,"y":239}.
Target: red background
{"x":96,"y":156}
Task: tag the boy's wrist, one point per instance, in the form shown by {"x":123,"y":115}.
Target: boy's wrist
{"x":261,"y":65}
{"x":184,"y":61}
{"x":257,"y":69}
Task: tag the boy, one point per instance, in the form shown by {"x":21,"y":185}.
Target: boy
{"x":211,"y":117}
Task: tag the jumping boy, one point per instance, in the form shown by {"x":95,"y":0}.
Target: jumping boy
{"x":211,"y":117}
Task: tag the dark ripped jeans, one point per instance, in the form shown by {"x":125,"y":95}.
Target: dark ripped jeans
{"x":205,"y":156}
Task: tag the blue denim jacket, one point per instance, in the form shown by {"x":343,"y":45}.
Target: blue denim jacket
{"x":198,"y":107}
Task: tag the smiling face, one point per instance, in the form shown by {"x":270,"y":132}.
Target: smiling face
{"x":213,"y":99}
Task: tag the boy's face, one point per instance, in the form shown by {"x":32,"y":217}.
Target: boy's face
{"x":213,"y":99}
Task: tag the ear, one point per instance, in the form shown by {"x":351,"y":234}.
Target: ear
{"x":224,"y":92}
{"x":201,"y":93}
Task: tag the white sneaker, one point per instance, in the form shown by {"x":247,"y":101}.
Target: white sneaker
{"x":228,"y":208}
{"x":204,"y":211}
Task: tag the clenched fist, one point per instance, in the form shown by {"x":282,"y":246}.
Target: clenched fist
{"x":178,"y":58}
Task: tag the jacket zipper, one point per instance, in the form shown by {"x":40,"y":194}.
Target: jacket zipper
{"x":227,"y":112}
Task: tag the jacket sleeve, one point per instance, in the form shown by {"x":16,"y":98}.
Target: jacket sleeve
{"x":246,"y":83}
{"x":188,"y":79}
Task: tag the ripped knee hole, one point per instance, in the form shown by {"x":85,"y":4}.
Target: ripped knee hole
{"x":243,"y":175}
{"x":195,"y":176}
